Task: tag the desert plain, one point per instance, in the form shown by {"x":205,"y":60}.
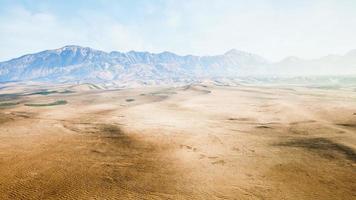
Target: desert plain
{"x":199,"y":141}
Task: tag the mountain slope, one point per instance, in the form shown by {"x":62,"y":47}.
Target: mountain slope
{"x":72,"y":63}
{"x":327,"y":65}
{"x":75,"y":63}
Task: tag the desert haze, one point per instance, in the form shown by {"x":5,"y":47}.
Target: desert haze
{"x":179,"y":100}
{"x":197,"y":141}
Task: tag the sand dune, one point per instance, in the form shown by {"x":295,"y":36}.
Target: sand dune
{"x":191,"y":142}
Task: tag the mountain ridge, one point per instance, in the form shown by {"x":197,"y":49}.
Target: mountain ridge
{"x":73,"y":62}
{"x":77,"y":63}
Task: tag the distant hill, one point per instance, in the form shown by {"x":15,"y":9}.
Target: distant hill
{"x":83,"y":64}
{"x":328,"y":65}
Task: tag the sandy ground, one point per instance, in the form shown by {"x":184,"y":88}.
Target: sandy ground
{"x":193,"y":142}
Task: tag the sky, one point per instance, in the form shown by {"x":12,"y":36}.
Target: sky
{"x":273,"y":29}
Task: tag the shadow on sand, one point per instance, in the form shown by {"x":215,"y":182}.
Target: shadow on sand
{"x":322,"y":146}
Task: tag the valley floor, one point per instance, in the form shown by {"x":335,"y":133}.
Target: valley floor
{"x":191,"y":142}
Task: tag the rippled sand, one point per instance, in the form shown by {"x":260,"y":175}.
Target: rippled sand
{"x":192,"y":142}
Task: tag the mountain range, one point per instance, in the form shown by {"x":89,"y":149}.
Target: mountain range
{"x":84,"y":64}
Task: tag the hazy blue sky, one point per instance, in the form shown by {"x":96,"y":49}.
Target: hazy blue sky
{"x":271,"y":28}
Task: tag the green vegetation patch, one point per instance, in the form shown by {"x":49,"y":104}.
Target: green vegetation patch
{"x":48,"y":92}
{"x":56,"y":103}
{"x":43,"y":93}
{"x":9,"y":104}
{"x":66,"y":92}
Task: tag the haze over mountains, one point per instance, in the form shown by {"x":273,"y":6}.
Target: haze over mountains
{"x":75,"y":63}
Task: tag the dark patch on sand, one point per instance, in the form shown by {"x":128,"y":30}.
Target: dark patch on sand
{"x":114,"y":133}
{"x":13,"y":116}
{"x":302,"y":122}
{"x":243,"y":119}
{"x":23,"y":114}
{"x":347,"y":125}
{"x":219,"y":162}
{"x":323,"y":146}
{"x":139,"y":163}
{"x":5,"y":118}
{"x":263,"y":127}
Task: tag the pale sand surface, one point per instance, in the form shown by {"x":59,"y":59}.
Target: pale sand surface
{"x":193,"y":142}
